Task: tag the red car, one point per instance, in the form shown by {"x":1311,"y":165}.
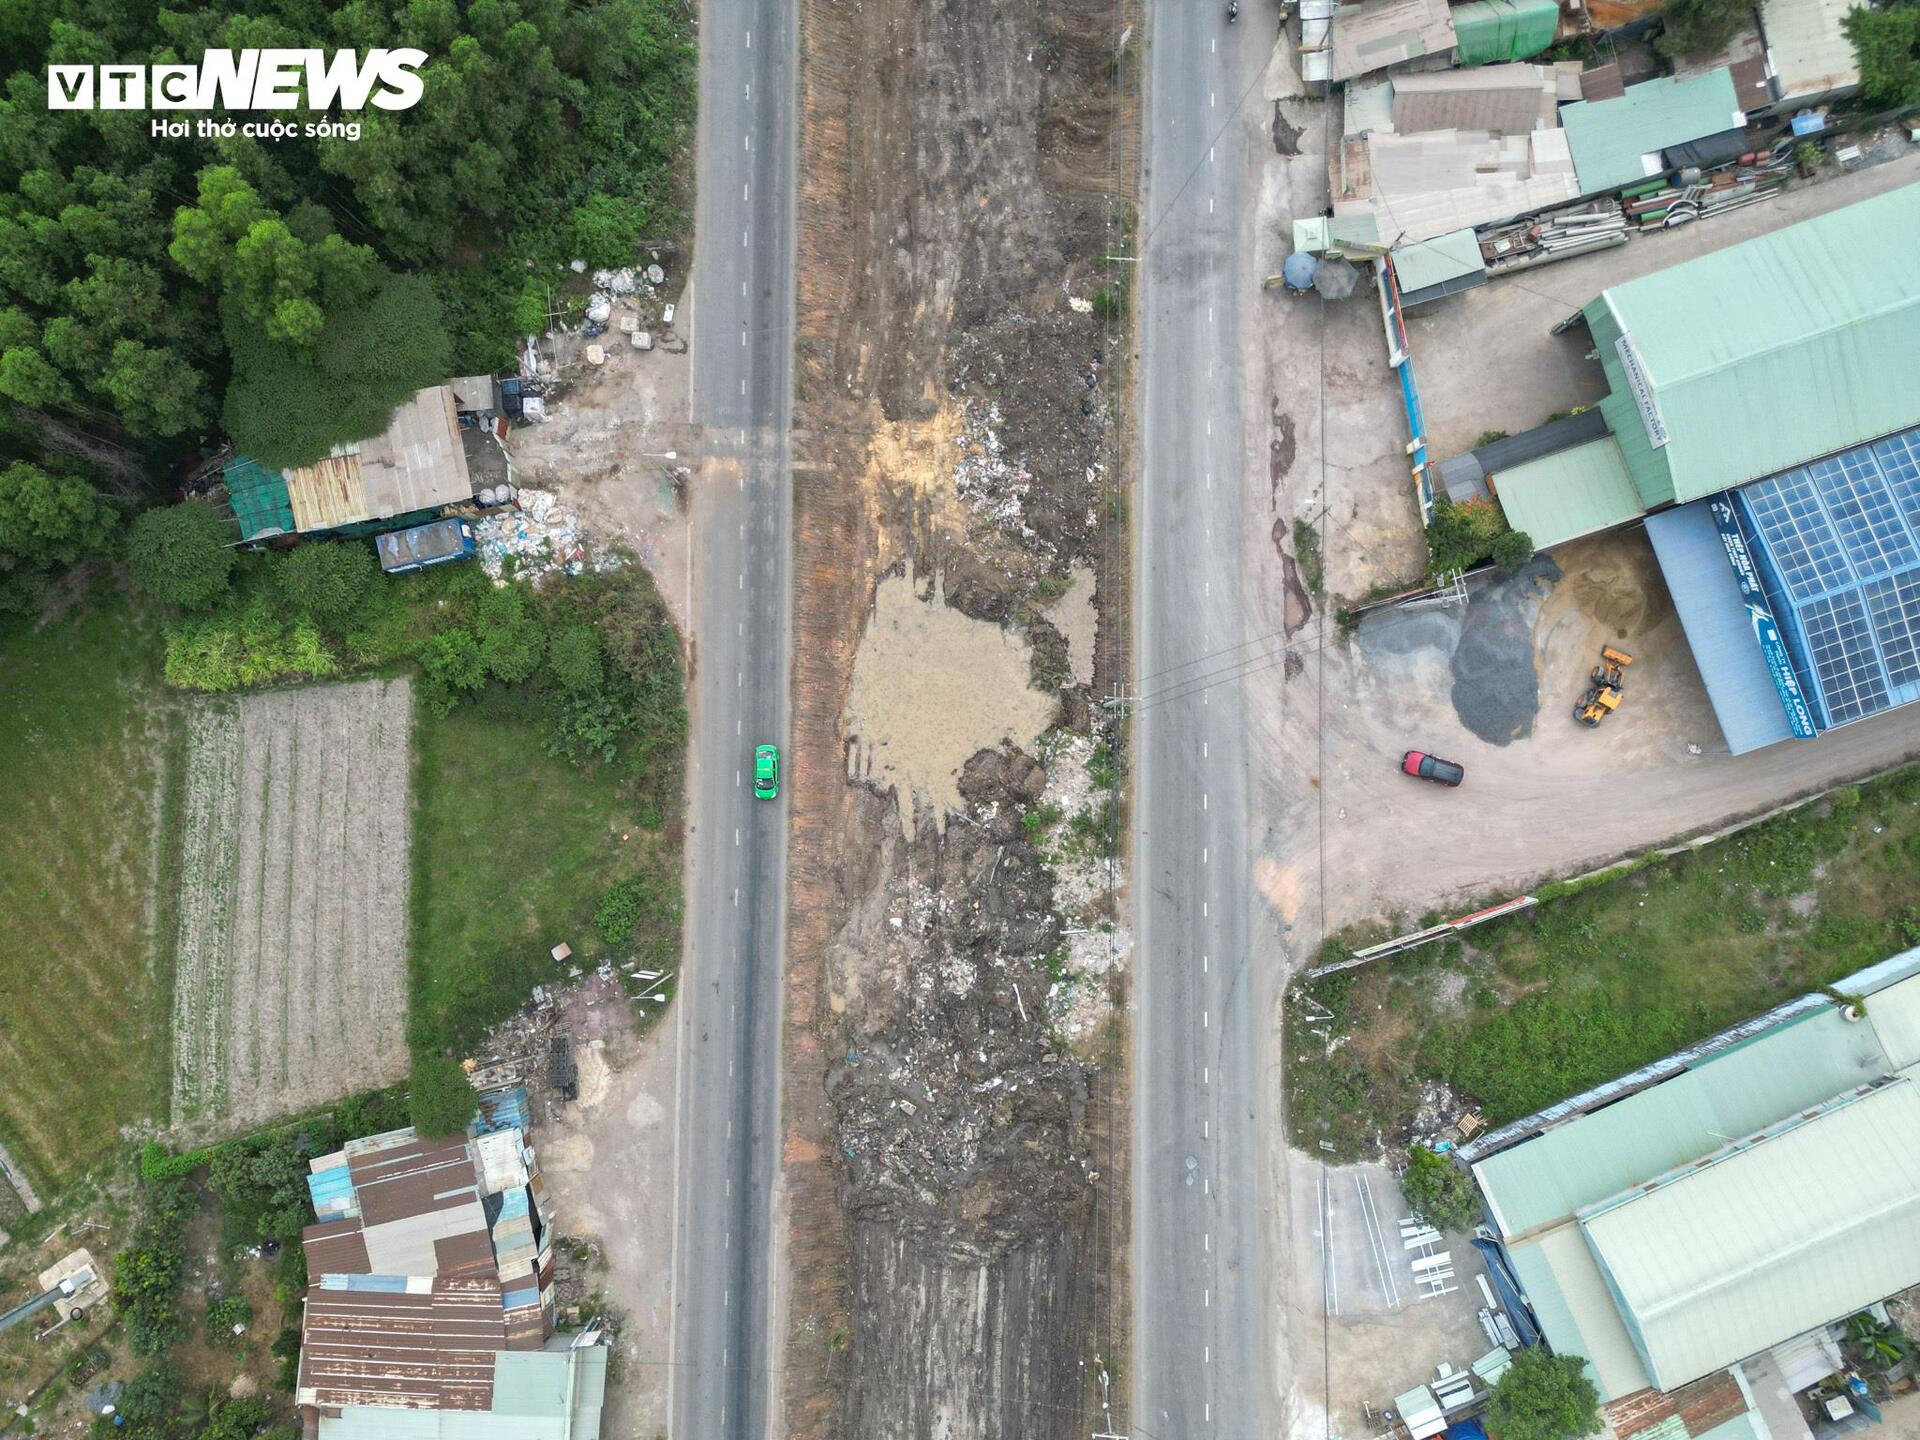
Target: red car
{"x":1431,"y":767}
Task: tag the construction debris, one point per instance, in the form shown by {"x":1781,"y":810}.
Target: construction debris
{"x":540,"y":537}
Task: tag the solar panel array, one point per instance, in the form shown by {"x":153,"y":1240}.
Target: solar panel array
{"x":1843,"y":539}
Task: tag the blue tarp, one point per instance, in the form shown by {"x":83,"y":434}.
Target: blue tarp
{"x":503,"y":1110}
{"x":370,"y":1284}
{"x":329,"y":1187}
{"x":1506,"y":1286}
{"x":514,"y":1299}
{"x":1719,"y":626}
{"x":513,"y":1204}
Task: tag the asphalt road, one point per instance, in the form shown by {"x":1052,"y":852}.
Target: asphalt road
{"x":727,"y":1128}
{"x":1202,"y":1362}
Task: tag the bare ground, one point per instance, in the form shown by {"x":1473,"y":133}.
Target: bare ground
{"x":292,"y":968}
{"x":952,"y":1230}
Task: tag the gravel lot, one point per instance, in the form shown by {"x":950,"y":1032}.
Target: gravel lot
{"x":292,"y":938}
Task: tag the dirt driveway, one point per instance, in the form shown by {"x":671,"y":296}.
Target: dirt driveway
{"x":609,"y":1159}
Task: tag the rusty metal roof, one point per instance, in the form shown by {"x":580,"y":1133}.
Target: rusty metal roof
{"x":424,"y":1348}
{"x":336,"y":1249}
{"x":417,"y":463}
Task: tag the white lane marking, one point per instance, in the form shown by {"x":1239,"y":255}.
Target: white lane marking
{"x":1206,"y":1299}
{"x":749,"y":90}
{"x":1212,"y":100}
{"x":745,"y":190}
{"x":1204,"y":965}
{"x":736,"y":899}
{"x":1206,"y":1020}
{"x":1207,"y":1242}
{"x":1203,"y":749}
{"x":743,"y":239}
{"x":746,"y":142}
{"x":743,"y":339}
{"x":736,"y":839}
{"x":749,"y":39}
{"x":1203,"y":854}
{"x":1206,"y":1129}
{"x":1207,"y":1357}
{"x":1203,"y":799}
{"x":1210,"y":154}
{"x":743,"y":289}
{"x":736,"y":785}
{"x":743,"y":387}
{"x":1210,"y":204}
{"x":1206,"y":1075}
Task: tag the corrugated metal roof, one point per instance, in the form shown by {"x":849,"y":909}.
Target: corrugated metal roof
{"x":1719,"y":627}
{"x":1421,"y":186}
{"x":1767,"y":1239}
{"x":430,"y":1350}
{"x":416,"y":463}
{"x":1803,"y":1061}
{"x":1377,"y":33}
{"x":1501,"y":99}
{"x":1488,"y":31}
{"x":504,"y":1110}
{"x":1574,"y":492}
{"x":1435,"y":262}
{"x":1810,"y":52}
{"x":1776,"y":351}
{"x":1577,"y":1315}
{"x":537,"y":1395}
{"x":1612,"y":140}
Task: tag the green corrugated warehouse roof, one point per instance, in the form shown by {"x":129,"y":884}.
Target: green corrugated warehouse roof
{"x":1803,"y":1061}
{"x":1563,"y":496}
{"x":259,"y":498}
{"x":1765,"y":1240}
{"x":1575,"y":1312}
{"x":1767,"y":354}
{"x":1610,"y":138}
{"x":1485,"y":31}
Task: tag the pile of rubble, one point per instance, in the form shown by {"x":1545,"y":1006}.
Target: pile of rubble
{"x":992,"y":487}
{"x":960,"y":1115}
{"x":540,"y":536}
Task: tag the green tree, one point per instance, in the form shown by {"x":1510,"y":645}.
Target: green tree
{"x":331,"y":583}
{"x":441,"y":1099}
{"x":512,"y":638}
{"x":288,"y":405}
{"x":148,"y":1404}
{"x":1694,"y":27}
{"x":48,"y":521}
{"x":1886,"y":42}
{"x":1439,"y":1191}
{"x":1511,"y":549}
{"x":1544,"y":1397}
{"x":182,"y":554}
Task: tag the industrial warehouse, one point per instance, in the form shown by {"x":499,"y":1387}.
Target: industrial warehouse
{"x":1761,"y":419}
{"x":1711,"y":1232}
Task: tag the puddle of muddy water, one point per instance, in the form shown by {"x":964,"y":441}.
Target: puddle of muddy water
{"x":930,"y":688}
{"x":1073,"y":616}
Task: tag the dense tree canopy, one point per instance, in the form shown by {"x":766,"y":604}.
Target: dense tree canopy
{"x":1887,"y":44}
{"x":152,"y":288}
{"x":1544,"y":1397}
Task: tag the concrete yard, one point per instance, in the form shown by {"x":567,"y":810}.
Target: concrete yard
{"x":1487,"y":359}
{"x":1366,"y":1329}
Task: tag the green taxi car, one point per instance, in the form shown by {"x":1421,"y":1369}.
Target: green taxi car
{"x":766,"y":771}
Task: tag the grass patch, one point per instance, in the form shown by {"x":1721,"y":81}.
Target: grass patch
{"x":1313,"y":565}
{"x":513,"y":849}
{"x":1607,"y":977}
{"x":83,"y":1016}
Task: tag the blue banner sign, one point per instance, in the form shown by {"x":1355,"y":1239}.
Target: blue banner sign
{"x":1766,"y":631}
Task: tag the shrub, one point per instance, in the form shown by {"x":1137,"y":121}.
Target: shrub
{"x":574,"y":658}
{"x":181,"y":554}
{"x":441,"y":1098}
{"x":223,"y":1313}
{"x":1306,"y":550}
{"x":1460,"y":536}
{"x":330,"y":584}
{"x":147,"y":1274}
{"x":511,"y":635}
{"x":1438,"y":1190}
{"x":617,"y":913}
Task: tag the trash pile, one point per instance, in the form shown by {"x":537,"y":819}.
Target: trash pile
{"x":993,"y":488}
{"x":540,"y":535}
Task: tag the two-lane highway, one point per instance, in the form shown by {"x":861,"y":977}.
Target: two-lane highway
{"x":727,"y":1128}
{"x":1202,"y":1364}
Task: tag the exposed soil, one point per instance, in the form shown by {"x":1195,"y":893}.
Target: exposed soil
{"x":953,"y":1204}
{"x":292,"y":934}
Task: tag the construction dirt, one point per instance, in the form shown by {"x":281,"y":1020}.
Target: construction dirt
{"x":291,"y":985}
{"x":952,"y":1093}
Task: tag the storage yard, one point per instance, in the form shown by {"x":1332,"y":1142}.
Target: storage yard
{"x":292,"y":932}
